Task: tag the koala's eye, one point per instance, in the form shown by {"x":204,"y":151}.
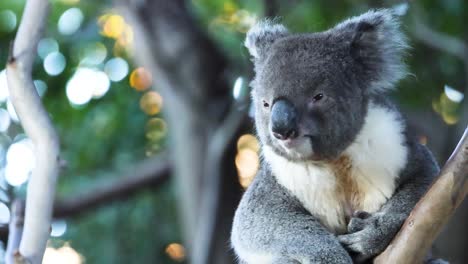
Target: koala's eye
{"x":318,"y":97}
{"x":265,"y":104}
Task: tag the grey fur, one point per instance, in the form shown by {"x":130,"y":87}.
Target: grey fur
{"x":351,"y":64}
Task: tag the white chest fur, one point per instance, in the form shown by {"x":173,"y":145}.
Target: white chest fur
{"x":373,"y":162}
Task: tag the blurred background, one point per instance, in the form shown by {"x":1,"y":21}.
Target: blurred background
{"x":121,"y":198}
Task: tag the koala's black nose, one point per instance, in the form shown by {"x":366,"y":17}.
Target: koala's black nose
{"x":284,"y":120}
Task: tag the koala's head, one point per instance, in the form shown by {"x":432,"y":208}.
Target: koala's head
{"x":311,"y":91}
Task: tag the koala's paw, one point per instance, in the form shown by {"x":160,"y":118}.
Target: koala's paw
{"x":369,"y":234}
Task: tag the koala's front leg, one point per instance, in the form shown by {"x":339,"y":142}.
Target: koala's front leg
{"x":369,"y":234}
{"x":271,"y":226}
{"x":285,"y":236}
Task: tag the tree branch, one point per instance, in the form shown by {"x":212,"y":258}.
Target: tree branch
{"x":209,"y":207}
{"x":190,"y":76}
{"x":438,"y":40}
{"x":165,"y":38}
{"x":148,"y":174}
{"x":432,"y":212}
{"x":38,"y":126}
{"x":15,"y":231}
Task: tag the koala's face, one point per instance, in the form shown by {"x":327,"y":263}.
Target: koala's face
{"x":307,"y":104}
{"x":311,"y":91}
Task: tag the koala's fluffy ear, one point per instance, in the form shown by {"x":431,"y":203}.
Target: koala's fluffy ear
{"x":261,"y":36}
{"x":378,"y":44}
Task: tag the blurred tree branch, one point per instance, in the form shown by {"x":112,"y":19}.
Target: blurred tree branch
{"x":150,"y":173}
{"x":432,"y":212}
{"x":438,"y":40}
{"x":190,"y":74}
{"x":38,"y":126}
{"x":209,"y":207}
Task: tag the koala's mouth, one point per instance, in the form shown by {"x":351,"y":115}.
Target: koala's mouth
{"x":290,"y":143}
{"x":299,"y":148}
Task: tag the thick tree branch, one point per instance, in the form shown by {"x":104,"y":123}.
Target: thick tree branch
{"x":148,"y":174}
{"x":169,"y":45}
{"x":190,"y":76}
{"x":210,"y":199}
{"x":432,"y":212}
{"x":38,"y":126}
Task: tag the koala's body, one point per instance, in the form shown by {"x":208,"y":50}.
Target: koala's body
{"x":339,"y":172}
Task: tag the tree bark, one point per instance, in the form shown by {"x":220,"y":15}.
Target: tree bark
{"x":432,"y":212}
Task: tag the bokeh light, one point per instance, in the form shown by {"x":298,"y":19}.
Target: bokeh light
{"x":247,"y":159}
{"x":176,"y":252}
{"x":140,"y":79}
{"x":235,"y":19}
{"x":93,"y":54}
{"x":20,"y":161}
{"x":116,"y":69}
{"x":59,"y":227}
{"x":112,"y":25}
{"x":5,"y":120}
{"x":4,"y":214}
{"x":151,"y":103}
{"x":85,"y":84}
{"x":101,"y":84}
{"x":125,"y":42}
{"x":47,"y":46}
{"x":237,"y":90}
{"x":248,"y":141}
{"x":65,"y":254}
{"x":54,"y":63}
{"x":448,"y":105}
{"x":3,"y":86}
{"x":7,"y":21}
{"x":70,"y":21}
{"x":453,"y":94}
{"x":156,"y":129}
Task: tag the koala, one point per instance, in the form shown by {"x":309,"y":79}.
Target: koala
{"x":339,"y":171}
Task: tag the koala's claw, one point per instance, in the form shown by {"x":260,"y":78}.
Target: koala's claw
{"x":358,"y":245}
{"x":369,"y":234}
{"x":366,"y":237}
